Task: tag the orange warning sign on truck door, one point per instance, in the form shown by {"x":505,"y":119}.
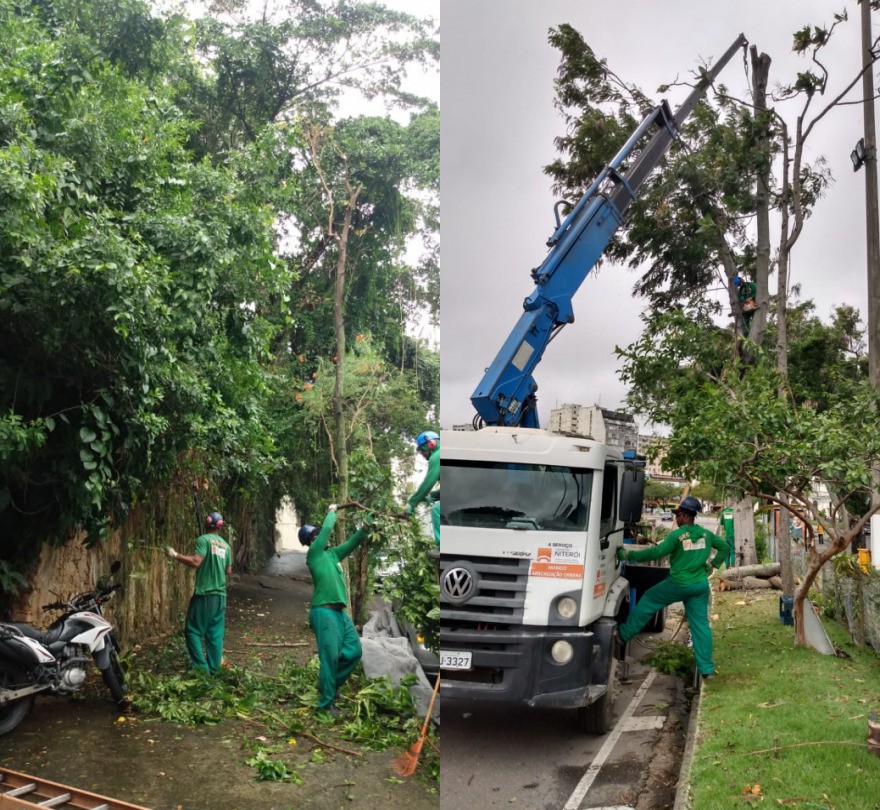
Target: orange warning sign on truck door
{"x":556,"y":570}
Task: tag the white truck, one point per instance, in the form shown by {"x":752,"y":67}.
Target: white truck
{"x":530,"y":588}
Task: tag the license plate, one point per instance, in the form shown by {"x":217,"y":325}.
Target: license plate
{"x":455,"y":660}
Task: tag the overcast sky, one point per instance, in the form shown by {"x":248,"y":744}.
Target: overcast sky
{"x":497,"y":129}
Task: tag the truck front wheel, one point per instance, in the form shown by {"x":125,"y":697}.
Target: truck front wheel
{"x":596,"y":718}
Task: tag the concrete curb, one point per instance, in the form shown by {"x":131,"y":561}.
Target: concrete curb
{"x":682,"y":799}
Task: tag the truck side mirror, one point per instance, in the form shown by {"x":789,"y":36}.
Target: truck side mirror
{"x":632,"y":495}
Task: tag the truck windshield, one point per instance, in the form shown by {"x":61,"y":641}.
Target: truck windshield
{"x":529,"y":497}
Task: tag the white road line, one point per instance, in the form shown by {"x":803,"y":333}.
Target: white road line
{"x":574,"y":801}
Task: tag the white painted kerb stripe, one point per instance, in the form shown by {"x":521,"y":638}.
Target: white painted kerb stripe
{"x":574,"y":801}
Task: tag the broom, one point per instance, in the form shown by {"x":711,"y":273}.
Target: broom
{"x":406,"y":763}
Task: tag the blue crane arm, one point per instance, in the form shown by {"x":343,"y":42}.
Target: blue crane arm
{"x":507,"y":393}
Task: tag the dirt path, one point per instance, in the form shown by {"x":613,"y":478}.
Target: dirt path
{"x":165,"y":766}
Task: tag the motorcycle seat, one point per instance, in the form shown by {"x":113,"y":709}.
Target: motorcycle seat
{"x":36,"y":635}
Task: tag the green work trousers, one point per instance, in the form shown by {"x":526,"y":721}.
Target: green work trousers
{"x":435,"y":521}
{"x":339,"y":650}
{"x":695,"y":597}
{"x":205,"y":625}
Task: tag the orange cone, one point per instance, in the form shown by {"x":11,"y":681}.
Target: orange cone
{"x":406,"y":763}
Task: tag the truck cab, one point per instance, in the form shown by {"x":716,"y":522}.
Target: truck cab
{"x":530,"y":586}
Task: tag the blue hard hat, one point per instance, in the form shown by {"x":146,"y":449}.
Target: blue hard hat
{"x":737,"y":281}
{"x":691,"y":504}
{"x":427,"y":440}
{"x":307,"y":534}
{"x":214,"y":520}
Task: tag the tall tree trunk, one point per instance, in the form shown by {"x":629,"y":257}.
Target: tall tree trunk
{"x":760,"y":73}
{"x":744,"y":532}
{"x":784,"y":547}
{"x":339,"y":420}
{"x":355,"y":571}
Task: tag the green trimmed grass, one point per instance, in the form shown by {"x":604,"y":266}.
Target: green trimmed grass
{"x":781,"y":725}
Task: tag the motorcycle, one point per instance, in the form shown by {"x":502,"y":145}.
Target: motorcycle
{"x":56,"y":660}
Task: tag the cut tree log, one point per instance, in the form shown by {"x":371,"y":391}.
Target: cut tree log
{"x":764,"y":571}
{"x":730,"y":585}
{"x":749,"y":583}
{"x":755,"y":582}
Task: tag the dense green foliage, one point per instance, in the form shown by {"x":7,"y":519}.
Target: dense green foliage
{"x":733,"y":429}
{"x":662,"y":491}
{"x":696,"y":194}
{"x":125,"y":264}
{"x":164,"y":289}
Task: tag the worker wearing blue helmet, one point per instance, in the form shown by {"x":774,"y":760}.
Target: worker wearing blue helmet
{"x":339,"y":647}
{"x":428,"y":446}
{"x":689,"y":548}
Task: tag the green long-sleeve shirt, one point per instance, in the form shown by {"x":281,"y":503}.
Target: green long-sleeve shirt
{"x":747,"y":291}
{"x":323,"y":563}
{"x":688,"y":549}
{"x":432,"y":477}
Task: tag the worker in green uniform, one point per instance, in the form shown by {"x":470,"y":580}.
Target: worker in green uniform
{"x":206,"y":615}
{"x":726,"y":523}
{"x":688,"y":547}
{"x":428,"y":446}
{"x":339,"y":647}
{"x":746,"y":291}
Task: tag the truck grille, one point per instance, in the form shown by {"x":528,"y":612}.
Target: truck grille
{"x":476,"y":593}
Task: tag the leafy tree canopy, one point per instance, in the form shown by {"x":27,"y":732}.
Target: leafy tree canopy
{"x":733,"y":430}
{"x":150,"y":317}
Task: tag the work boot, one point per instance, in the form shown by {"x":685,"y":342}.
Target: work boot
{"x":328,"y":712}
{"x":708,"y":676}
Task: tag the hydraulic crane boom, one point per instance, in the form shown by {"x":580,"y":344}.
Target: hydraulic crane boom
{"x":506,"y":394}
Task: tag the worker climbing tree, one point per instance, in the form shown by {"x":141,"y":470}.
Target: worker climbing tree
{"x":746,"y":292}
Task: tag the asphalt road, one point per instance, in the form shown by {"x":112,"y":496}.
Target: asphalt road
{"x":289,"y":564}
{"x":504,"y":756}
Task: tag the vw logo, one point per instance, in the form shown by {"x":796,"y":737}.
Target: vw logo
{"x":459,"y":584}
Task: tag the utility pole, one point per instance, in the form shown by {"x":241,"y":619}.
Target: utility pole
{"x":872,"y":213}
{"x":872,"y":210}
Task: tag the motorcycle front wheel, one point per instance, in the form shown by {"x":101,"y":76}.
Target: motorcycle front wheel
{"x":114,"y":679}
{"x":12,"y":713}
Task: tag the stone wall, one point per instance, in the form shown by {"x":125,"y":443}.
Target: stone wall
{"x":155,"y":591}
